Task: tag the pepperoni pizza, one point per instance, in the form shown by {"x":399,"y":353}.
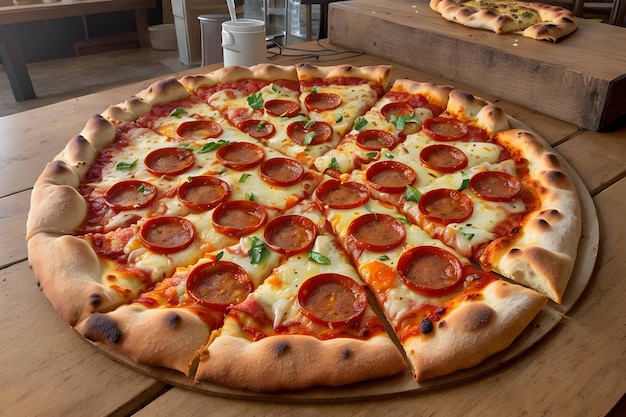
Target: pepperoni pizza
{"x":233,"y":225}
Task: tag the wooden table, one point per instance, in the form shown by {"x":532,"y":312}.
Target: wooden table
{"x":47,"y":369}
{"x":10,"y":48}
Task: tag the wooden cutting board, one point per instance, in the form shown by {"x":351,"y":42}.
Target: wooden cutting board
{"x":581,"y":79}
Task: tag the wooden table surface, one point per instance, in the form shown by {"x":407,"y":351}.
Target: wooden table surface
{"x":49,"y":370}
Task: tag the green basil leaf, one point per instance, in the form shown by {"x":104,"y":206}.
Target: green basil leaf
{"x":250,"y":196}
{"x":255,"y":101}
{"x":339,"y":118}
{"x":333,"y":163}
{"x":177,"y":112}
{"x":308,"y":138}
{"x":141,"y":189}
{"x":412,"y":194}
{"x":360,"y":123}
{"x":466,"y":181}
{"x":219,"y":256}
{"x":389,"y":155}
{"x":257,"y":250}
{"x":126,"y":166}
{"x":211,"y":146}
{"x":383,"y":258}
{"x":372,"y":154}
{"x":318,"y":258}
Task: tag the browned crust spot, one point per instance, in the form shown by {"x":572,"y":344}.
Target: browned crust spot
{"x":99,"y":327}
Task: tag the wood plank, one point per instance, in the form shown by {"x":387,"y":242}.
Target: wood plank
{"x":45,"y":11}
{"x":47,"y":368}
{"x":600,"y":156}
{"x":13,"y":228}
{"x":555,"y":79}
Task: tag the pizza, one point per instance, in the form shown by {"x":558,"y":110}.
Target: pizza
{"x":533,"y":20}
{"x":236,"y":227}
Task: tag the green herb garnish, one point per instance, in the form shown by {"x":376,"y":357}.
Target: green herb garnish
{"x":360,"y":123}
{"x":466,"y":181}
{"x":318,"y":258}
{"x":255,"y":101}
{"x":177,"y":112}
{"x":126,"y":166}
{"x":257,"y":250}
{"x":211,"y":146}
{"x":412,"y":194}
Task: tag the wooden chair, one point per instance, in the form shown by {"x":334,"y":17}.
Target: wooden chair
{"x":614,"y":11}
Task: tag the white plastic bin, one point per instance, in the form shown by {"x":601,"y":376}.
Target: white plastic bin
{"x":211,"y":35}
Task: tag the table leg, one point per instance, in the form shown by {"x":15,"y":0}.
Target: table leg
{"x":14,"y":64}
{"x":141,"y":20}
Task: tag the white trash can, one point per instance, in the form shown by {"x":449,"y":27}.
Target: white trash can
{"x":211,"y":35}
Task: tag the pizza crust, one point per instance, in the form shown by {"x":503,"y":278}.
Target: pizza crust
{"x":127,"y":111}
{"x":295,"y":361}
{"x":379,"y":74}
{"x":543,"y":253}
{"x":154,"y":337}
{"x":68,"y":272}
{"x":264,"y":72}
{"x":466,"y":106}
{"x":474,"y":330}
{"x":556,"y":22}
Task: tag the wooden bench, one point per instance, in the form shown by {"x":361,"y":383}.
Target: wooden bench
{"x":10,"y":48}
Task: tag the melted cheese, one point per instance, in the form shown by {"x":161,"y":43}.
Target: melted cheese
{"x":523,"y":16}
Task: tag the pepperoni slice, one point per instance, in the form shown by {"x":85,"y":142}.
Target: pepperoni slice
{"x":290,"y":234}
{"x":240,"y":156}
{"x":445,"y":128}
{"x":430,"y":270}
{"x":390,"y":176}
{"x":446,"y":206}
{"x":258,"y":129}
{"x":309,"y":133}
{"x":130,"y":195}
{"x":332,"y":299}
{"x":282,"y":172}
{"x":203,"y":193}
{"x":322,"y":101}
{"x":199,"y":129}
{"x":219,"y":285}
{"x":377,"y":232}
{"x":443,"y":158}
{"x":167,"y":234}
{"x":495,"y":186}
{"x":237,"y":218}
{"x":397,"y":109}
{"x":169,"y":161}
{"x":337,"y":195}
{"x":375,"y":140}
{"x":282,"y":108}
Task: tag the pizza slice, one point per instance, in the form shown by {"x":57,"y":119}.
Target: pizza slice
{"x":447,"y":314}
{"x":533,"y":20}
{"x":479,"y":184}
{"x":166,"y":326}
{"x":335,"y":98}
{"x":399,"y":113}
{"x":308,"y":324}
{"x":262,"y":101}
